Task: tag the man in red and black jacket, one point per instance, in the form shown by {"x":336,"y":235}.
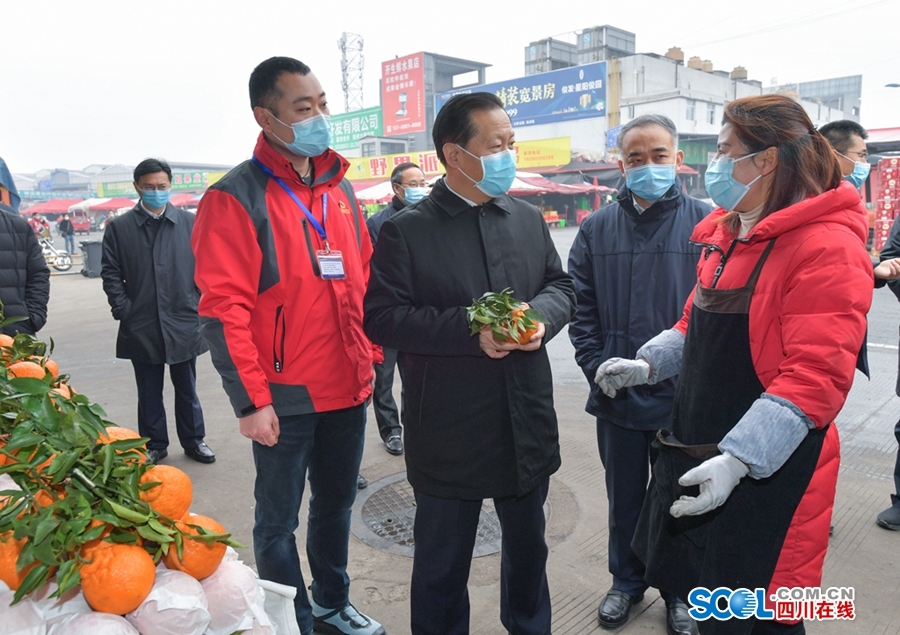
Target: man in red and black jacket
{"x":282,"y":264}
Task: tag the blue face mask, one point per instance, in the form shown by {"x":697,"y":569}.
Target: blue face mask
{"x":311,"y":136}
{"x":860,"y":172}
{"x":650,"y":181}
{"x":499,"y":171}
{"x":721,"y":186}
{"x":154,"y":199}
{"x":414,"y":194}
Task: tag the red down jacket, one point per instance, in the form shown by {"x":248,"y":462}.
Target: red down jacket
{"x":279,"y":334}
{"x":807,"y":323}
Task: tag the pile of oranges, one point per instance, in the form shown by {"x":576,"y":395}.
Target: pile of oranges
{"x":130,"y":515}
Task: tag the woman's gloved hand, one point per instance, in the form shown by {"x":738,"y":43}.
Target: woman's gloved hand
{"x":617,"y":373}
{"x":716,"y":477}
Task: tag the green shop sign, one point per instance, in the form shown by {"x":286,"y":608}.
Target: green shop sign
{"x":348,"y":128}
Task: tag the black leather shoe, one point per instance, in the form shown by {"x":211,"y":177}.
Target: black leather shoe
{"x":615,"y":607}
{"x":679,"y":621}
{"x":155,"y":456}
{"x":889,"y":518}
{"x":201,"y":453}
{"x":394,"y":445}
{"x":361,"y":482}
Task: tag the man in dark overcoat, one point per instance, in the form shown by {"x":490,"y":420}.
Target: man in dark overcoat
{"x":148,"y":276}
{"x":481,"y":422}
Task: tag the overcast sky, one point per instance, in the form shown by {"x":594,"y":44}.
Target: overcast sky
{"x":101,"y":81}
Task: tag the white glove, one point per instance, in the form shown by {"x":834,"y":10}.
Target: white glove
{"x":716,"y":477}
{"x":616,"y":373}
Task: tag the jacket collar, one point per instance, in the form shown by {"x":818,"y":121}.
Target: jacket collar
{"x":141,"y":216}
{"x":668,"y":201}
{"x":453,"y":204}
{"x":397,"y":204}
{"x":329,"y":166}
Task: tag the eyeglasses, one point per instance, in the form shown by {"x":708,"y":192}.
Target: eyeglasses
{"x":864,"y":155}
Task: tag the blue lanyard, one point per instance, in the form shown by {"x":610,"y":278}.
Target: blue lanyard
{"x":320,"y":229}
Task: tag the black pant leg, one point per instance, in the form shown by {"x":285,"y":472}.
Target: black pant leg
{"x":524,"y":592}
{"x":444,"y":532}
{"x":188,"y":413}
{"x":626,"y":456}
{"x":151,"y":410}
{"x":386,"y":415}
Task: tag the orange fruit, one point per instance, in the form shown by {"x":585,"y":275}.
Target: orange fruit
{"x":26,"y":369}
{"x":5,"y":340}
{"x":118,"y":577}
{"x":52,"y":366}
{"x":62,"y":390}
{"x":10,"y":548}
{"x":198,"y":559}
{"x":172,"y":497}
{"x":524,"y":336}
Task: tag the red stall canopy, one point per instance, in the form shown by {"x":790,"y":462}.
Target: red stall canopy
{"x":112,"y":205}
{"x":53,"y":206}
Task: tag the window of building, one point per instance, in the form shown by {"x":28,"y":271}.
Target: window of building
{"x":689,"y":110}
{"x":711,"y":114}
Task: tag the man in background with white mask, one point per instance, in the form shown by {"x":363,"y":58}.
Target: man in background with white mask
{"x":480,"y":420}
{"x":633,"y":268}
{"x":282,"y":265}
{"x":409,"y":186}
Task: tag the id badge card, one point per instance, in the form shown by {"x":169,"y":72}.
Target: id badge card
{"x":331,"y":264}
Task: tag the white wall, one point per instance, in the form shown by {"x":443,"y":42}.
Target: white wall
{"x":585,"y":134}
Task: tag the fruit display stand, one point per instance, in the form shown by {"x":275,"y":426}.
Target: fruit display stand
{"x":93,"y":539}
{"x":551,"y":217}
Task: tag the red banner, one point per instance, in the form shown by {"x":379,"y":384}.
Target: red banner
{"x":403,"y":94}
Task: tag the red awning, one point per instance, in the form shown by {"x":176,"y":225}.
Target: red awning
{"x":185,"y":198}
{"x":53,"y":206}
{"x":112,"y":205}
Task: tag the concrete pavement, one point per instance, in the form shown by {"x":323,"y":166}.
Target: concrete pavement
{"x":861,"y":554}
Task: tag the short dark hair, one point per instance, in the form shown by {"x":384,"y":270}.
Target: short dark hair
{"x":397,"y":174}
{"x":453,"y":123}
{"x":838,"y":133}
{"x":151,"y":166}
{"x":264,"y":78}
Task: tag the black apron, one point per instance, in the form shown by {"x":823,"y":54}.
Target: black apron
{"x":736,"y":545}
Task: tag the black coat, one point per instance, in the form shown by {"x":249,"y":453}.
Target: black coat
{"x":24,"y":276}
{"x":633,"y":273}
{"x":476,"y":427}
{"x":148,"y":277}
{"x":376,"y":220}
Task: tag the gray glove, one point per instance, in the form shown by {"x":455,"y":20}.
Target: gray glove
{"x":617,"y":373}
{"x":717,"y":477}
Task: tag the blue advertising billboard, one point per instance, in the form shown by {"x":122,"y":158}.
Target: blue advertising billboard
{"x":572,"y":93}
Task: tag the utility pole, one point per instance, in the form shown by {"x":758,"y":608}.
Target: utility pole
{"x":351,"y":46}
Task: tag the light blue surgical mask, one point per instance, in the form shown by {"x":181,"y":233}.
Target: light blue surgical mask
{"x":721,"y":186}
{"x":859,"y":174}
{"x":154,"y":199}
{"x":414,"y":194}
{"x":499,"y":171}
{"x":650,"y":181}
{"x":311,"y":136}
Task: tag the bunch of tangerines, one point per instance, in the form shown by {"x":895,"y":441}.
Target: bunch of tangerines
{"x":87,"y":509}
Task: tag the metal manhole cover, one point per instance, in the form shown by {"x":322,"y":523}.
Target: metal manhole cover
{"x":385,"y":511}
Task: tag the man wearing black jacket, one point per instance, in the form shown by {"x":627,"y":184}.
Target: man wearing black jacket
{"x":480,"y":420}
{"x":24,"y":275}
{"x":148,"y":276}
{"x":634,"y":268}
{"x":409,"y":186}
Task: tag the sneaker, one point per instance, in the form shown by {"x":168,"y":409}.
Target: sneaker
{"x":345,"y":621}
{"x":890,"y":518}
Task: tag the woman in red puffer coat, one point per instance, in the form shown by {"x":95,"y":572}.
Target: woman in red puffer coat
{"x":765,"y":354}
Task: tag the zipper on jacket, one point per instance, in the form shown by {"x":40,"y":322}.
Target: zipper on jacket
{"x":278,"y":343}
{"x":721,"y":266}
{"x":708,"y":248}
{"x":309,"y":247}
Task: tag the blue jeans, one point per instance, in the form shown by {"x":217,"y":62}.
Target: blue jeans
{"x":328,"y":446}
{"x":70,"y":244}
